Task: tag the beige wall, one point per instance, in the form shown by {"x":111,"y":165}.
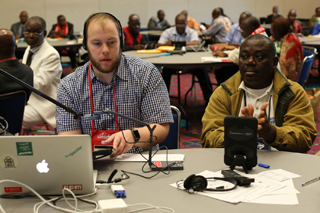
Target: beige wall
{"x":76,"y":11}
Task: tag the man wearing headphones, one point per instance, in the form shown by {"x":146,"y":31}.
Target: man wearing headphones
{"x":121,"y":83}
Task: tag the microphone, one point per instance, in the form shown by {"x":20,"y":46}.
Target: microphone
{"x":76,"y":115}
{"x":89,"y":117}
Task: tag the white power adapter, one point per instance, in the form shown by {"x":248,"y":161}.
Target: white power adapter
{"x":113,"y":206}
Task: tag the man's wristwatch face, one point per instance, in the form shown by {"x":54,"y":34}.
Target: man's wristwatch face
{"x":136,"y":135}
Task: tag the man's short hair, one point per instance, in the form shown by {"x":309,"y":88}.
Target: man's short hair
{"x":40,"y":20}
{"x":253,"y":21}
{"x":182,"y":15}
{"x":265,"y":39}
{"x":59,"y":16}
{"x":247,"y":13}
{"x":102,"y":16}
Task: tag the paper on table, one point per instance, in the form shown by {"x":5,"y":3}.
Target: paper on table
{"x":284,"y":199}
{"x":263,"y":190}
{"x":71,"y":42}
{"x":215,"y":59}
{"x":157,"y":157}
{"x":149,"y":51}
{"x":233,"y":196}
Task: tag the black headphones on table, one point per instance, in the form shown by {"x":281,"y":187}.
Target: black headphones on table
{"x":118,"y":25}
{"x":199,"y":183}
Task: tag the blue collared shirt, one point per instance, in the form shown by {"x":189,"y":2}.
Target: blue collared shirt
{"x":172,"y":34}
{"x":139,"y":89}
{"x":234,"y":35}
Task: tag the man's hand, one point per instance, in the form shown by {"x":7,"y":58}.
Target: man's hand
{"x":168,"y":43}
{"x":266,"y":130}
{"x":120,"y":145}
{"x":219,"y":54}
{"x":247,"y":111}
{"x":139,"y":47}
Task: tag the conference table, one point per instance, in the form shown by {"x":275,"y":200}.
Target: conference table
{"x":158,"y":192}
{"x":189,"y":60}
{"x":56,"y":43}
{"x":310,"y":41}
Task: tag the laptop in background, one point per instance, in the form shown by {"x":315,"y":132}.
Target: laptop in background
{"x":47,"y":164}
{"x":199,"y":48}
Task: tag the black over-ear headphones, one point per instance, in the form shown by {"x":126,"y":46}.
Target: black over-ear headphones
{"x":117,"y":22}
{"x":199,"y":183}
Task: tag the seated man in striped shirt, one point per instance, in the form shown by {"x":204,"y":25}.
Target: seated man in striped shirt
{"x":121,"y":83}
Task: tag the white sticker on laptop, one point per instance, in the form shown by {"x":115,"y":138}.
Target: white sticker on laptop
{"x":8,"y":161}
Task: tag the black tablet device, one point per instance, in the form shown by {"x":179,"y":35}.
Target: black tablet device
{"x":240,"y":142}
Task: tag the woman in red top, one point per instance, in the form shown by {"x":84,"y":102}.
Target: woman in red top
{"x":288,"y":47}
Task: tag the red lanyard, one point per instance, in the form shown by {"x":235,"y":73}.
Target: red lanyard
{"x":91,"y":99}
{"x":8,"y":59}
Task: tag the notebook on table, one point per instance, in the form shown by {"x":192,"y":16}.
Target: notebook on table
{"x":47,"y":164}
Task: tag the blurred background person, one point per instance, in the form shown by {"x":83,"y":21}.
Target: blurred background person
{"x":288,"y":47}
{"x":273,"y":16}
{"x":315,"y":18}
{"x":295,"y":26}
{"x":159,"y":22}
{"x":133,"y":40}
{"x":18,"y":28}
{"x":192,"y":23}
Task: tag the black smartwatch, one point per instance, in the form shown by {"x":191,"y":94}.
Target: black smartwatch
{"x":136,"y":135}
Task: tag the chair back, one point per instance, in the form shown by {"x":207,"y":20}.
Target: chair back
{"x":303,"y":73}
{"x":172,"y":140}
{"x":12,"y":109}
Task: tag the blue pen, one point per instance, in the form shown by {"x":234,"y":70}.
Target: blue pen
{"x":264,"y":165}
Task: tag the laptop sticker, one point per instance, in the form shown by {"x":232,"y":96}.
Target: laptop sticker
{"x":8,"y":162}
{"x":74,"y":152}
{"x":24,"y":149}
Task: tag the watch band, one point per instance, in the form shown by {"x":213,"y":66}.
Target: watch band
{"x":136,"y":135}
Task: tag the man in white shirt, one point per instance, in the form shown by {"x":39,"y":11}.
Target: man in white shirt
{"x":44,"y":60}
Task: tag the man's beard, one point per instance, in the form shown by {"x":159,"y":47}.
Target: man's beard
{"x":113,"y":66}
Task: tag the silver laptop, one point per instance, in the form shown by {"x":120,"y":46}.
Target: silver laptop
{"x":196,"y":48}
{"x":47,"y":164}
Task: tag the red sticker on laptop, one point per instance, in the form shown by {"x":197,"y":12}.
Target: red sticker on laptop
{"x":73,"y":187}
{"x":157,"y":163}
{"x":12,"y":189}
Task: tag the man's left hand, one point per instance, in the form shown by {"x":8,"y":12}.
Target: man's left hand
{"x":139,"y":47}
{"x":219,"y":54}
{"x":266,"y":130}
{"x":120,"y":145}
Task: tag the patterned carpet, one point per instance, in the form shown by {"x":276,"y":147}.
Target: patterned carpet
{"x":196,"y":106}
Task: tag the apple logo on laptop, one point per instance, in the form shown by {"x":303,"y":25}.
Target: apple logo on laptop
{"x":42,"y":167}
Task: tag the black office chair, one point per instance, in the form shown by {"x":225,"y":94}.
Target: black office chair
{"x":172,"y":140}
{"x":12,"y":109}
